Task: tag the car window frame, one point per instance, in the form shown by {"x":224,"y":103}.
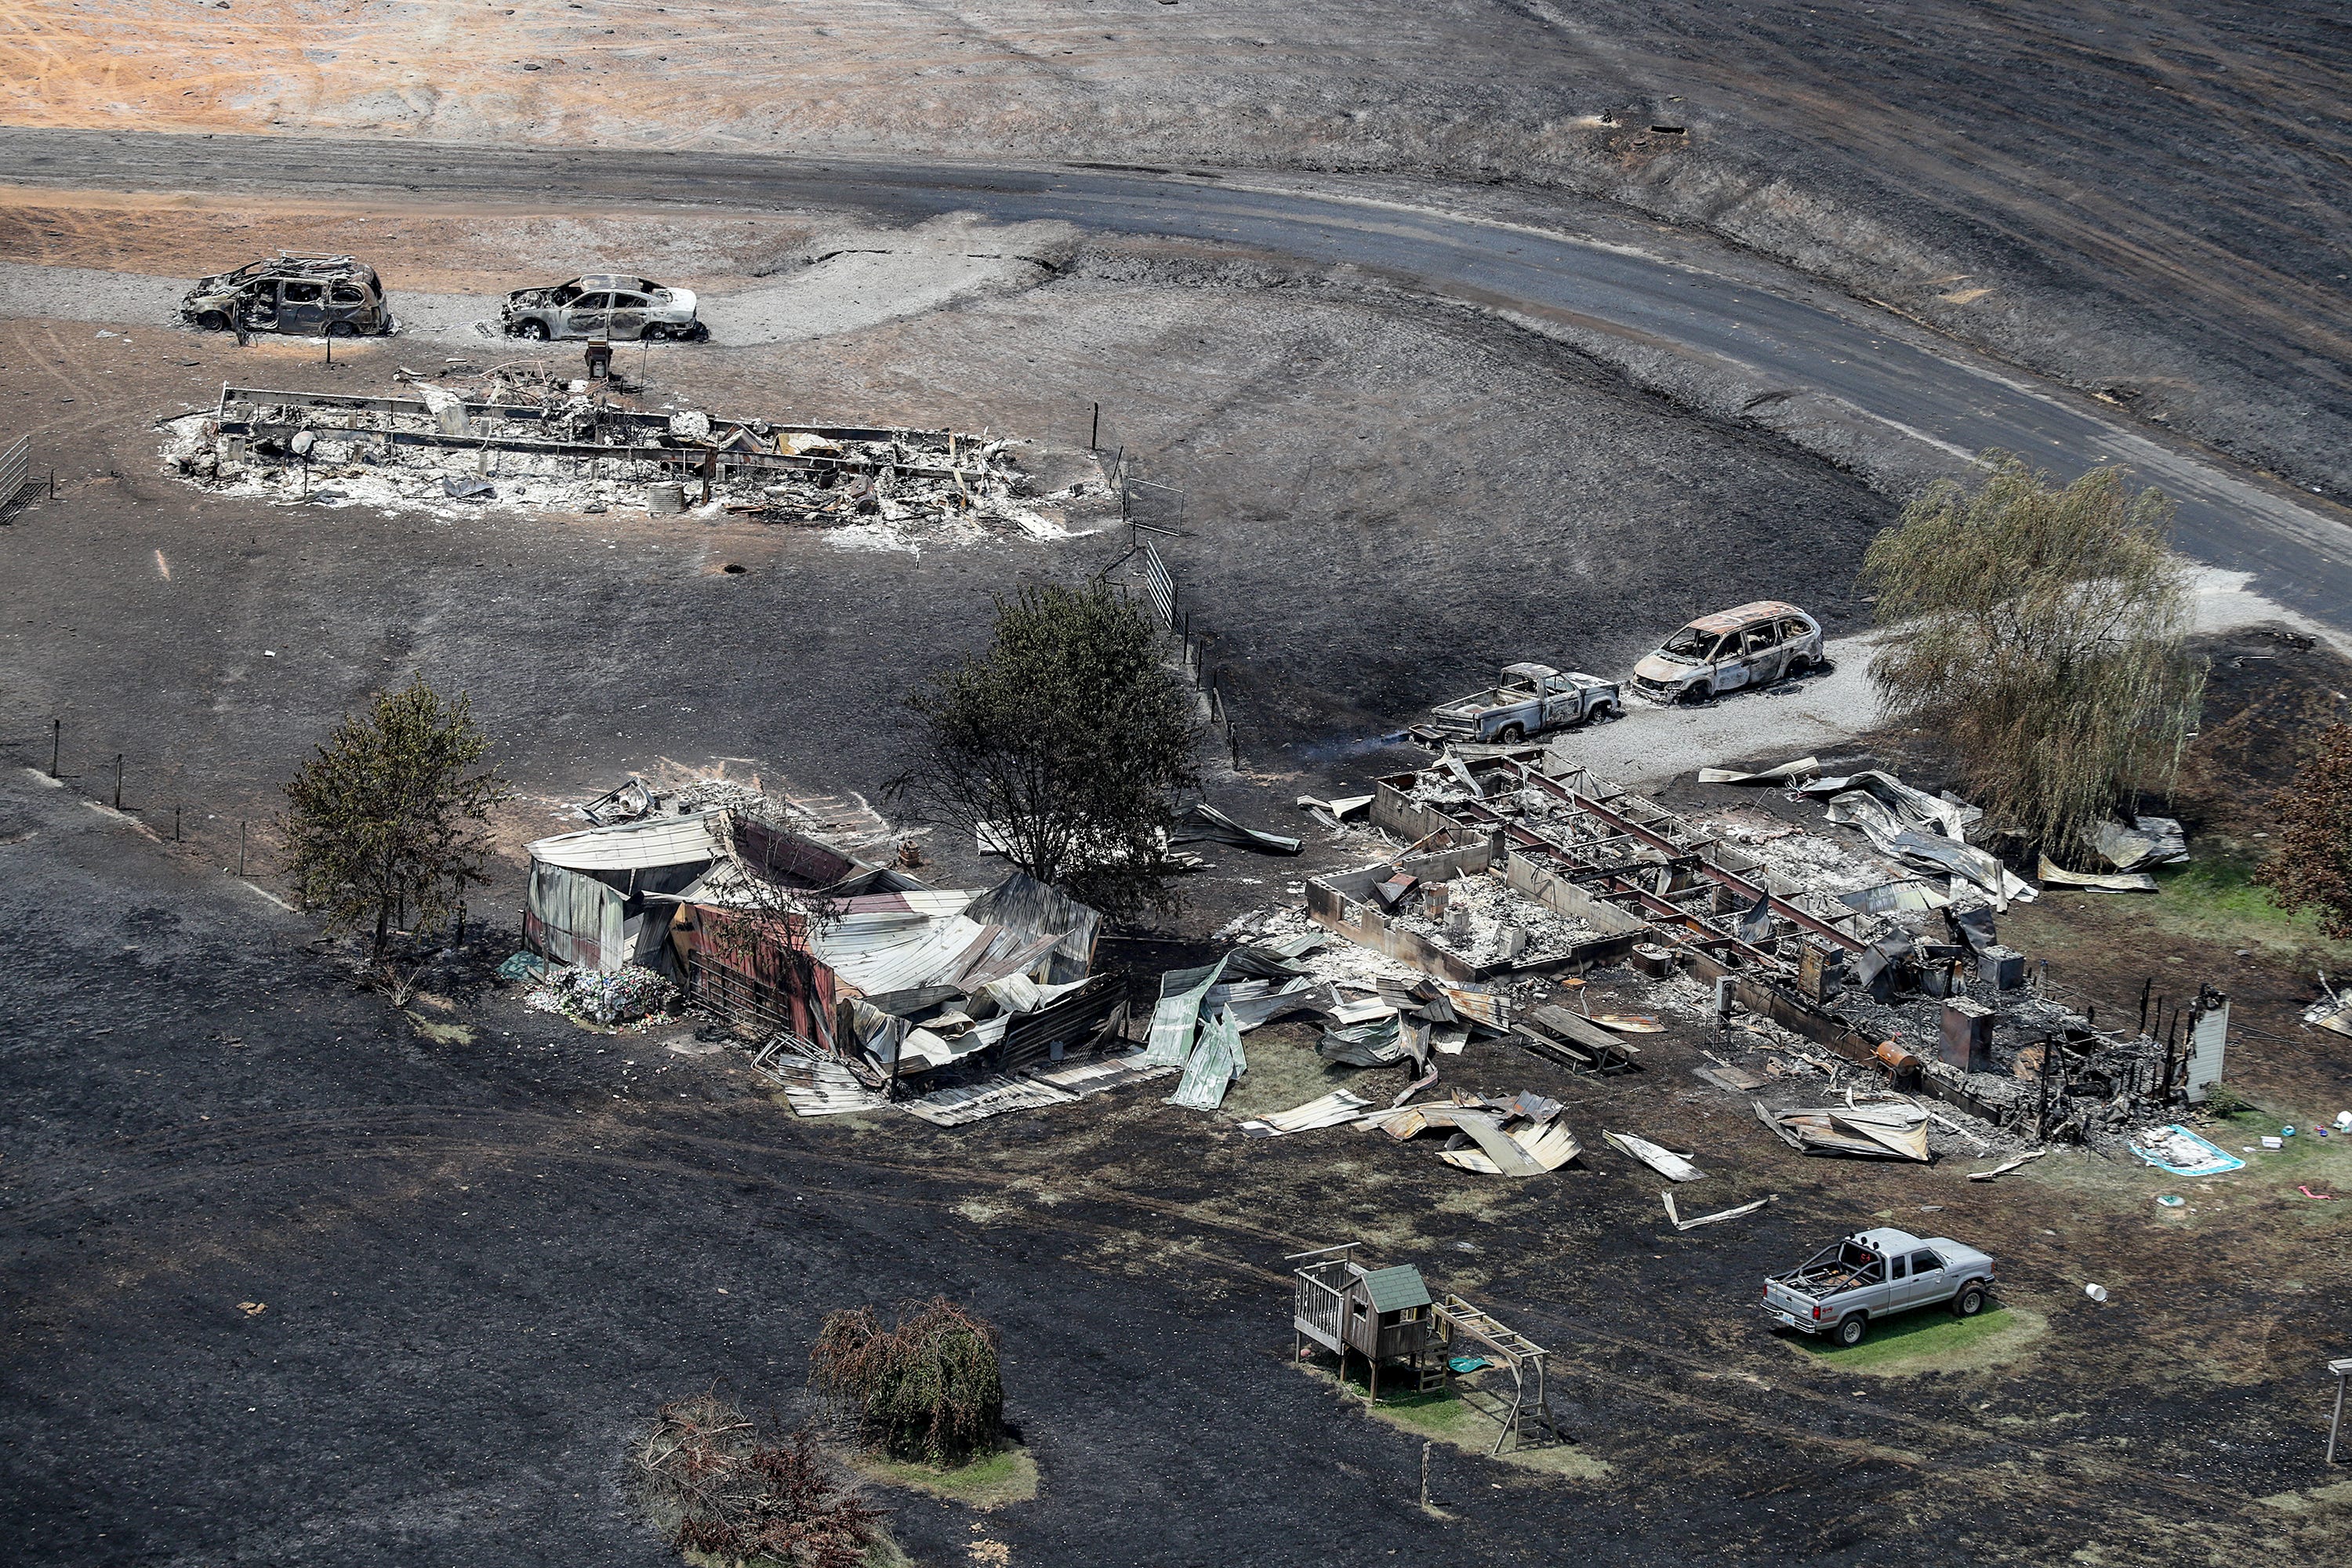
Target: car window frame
{"x":1934,"y":1262}
{"x":286,"y":295}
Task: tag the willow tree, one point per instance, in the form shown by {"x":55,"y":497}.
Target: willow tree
{"x":2042,"y":630}
{"x":387,"y":822}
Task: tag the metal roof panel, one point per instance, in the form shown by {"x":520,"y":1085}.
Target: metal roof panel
{"x":637,"y":845}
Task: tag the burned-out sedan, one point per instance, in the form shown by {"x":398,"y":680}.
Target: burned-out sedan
{"x":604,"y":305}
{"x":1753,"y":645}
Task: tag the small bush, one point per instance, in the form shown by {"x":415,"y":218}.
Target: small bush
{"x":2220,"y":1100}
{"x":927,"y":1390}
{"x":716,"y":1484}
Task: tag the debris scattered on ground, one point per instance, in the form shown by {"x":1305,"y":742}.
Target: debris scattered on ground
{"x":630,"y":994}
{"x":1522,"y":1136}
{"x":2006,"y":1167}
{"x":2095,"y":881}
{"x":1666,"y":1162}
{"x":1330,"y":1110}
{"x":1674,"y":1215}
{"x":1897,"y":1131}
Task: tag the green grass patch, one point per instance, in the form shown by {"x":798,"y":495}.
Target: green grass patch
{"x":1284,"y":1071}
{"x":1446,"y":1417}
{"x":1008,"y":1475}
{"x":1929,"y":1340}
{"x":2215,"y":895}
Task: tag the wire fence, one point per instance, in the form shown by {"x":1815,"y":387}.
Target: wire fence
{"x":126,"y":783}
{"x":1153,"y":511}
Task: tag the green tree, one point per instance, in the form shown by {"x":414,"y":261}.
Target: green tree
{"x":2310,"y":863}
{"x":2041,"y":630}
{"x":1065,"y":741}
{"x":386,"y":821}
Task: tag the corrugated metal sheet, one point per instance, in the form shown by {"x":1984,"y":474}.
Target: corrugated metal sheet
{"x":574,"y":919}
{"x":1026,"y":904}
{"x":877,"y":950}
{"x":637,"y":845}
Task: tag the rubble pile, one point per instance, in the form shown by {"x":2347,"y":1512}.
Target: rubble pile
{"x":1481,"y":921}
{"x":515,"y":441}
{"x":630,"y":994}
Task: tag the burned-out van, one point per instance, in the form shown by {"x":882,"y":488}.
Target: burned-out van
{"x":301,"y":296}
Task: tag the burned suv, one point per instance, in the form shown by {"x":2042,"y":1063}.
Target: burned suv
{"x":603,"y":305}
{"x":1753,"y":645}
{"x":301,"y":296}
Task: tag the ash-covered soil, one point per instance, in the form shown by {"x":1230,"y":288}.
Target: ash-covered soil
{"x":2141,"y":199}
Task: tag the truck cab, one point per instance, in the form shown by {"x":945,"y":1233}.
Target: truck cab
{"x":1841,"y":1290}
{"x":1529,"y":699}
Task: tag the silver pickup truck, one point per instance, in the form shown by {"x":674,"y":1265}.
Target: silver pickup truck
{"x":1872,"y":1273}
{"x":1532,"y":699}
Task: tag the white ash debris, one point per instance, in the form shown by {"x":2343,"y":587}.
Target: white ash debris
{"x":437,"y":449}
{"x":1481,"y":915}
{"x":1818,"y":863}
{"x":1339,"y":961}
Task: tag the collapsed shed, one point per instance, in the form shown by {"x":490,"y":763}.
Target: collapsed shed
{"x":588,"y":901}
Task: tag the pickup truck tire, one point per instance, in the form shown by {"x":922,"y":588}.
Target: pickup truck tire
{"x":1510,"y":734}
{"x":1850,"y":1329}
{"x":532,"y":332}
{"x":1970,"y":1301}
{"x":1601,"y":713}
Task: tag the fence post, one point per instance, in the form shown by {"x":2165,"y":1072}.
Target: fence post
{"x":240,"y":848}
{"x":117,"y":780}
{"x":1093,"y":432}
{"x":56,"y":730}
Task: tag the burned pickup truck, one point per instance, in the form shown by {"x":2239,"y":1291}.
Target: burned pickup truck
{"x":299,"y":296}
{"x":1840,"y":1290}
{"x":1531,"y":699}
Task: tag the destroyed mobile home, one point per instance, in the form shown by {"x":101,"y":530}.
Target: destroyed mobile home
{"x":1512,"y":877}
{"x":522,"y":436}
{"x":1518,"y":868}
